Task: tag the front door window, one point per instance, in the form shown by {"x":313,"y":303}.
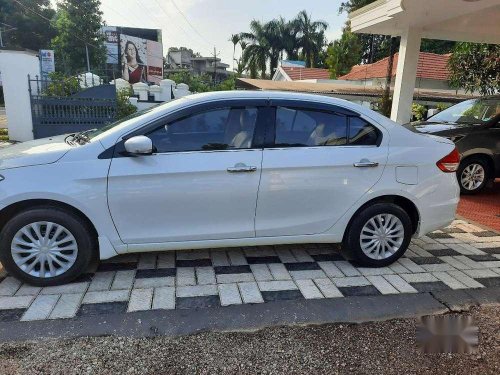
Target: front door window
{"x":218,"y":129}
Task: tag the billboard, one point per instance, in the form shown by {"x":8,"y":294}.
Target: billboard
{"x":136,"y":55}
{"x":47,"y":62}
{"x":111,"y":43}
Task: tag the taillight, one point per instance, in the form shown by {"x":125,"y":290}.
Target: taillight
{"x":450,"y":162}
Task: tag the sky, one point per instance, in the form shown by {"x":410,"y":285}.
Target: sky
{"x":214,"y":20}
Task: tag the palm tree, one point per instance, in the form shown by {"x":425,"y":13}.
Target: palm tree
{"x":235,"y":39}
{"x":243,"y":45}
{"x":256,"y":54}
{"x":273,"y":32}
{"x":290,"y":44}
{"x":312,"y":36}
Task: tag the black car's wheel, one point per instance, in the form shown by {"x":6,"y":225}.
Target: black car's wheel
{"x":46,"y":246}
{"x":473,"y":175}
{"x":378,"y":235}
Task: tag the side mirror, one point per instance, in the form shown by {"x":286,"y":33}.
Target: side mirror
{"x":139,"y":145}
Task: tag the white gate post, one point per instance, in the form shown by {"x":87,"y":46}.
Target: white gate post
{"x":166,"y":90}
{"x":141,"y":89}
{"x":15,"y":67}
{"x":181,"y":90}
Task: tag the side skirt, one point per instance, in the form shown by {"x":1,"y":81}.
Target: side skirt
{"x":237,"y":242}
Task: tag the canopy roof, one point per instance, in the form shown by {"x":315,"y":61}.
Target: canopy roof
{"x":336,"y":89}
{"x":459,"y":20}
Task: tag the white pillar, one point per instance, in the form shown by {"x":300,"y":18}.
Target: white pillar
{"x":155,"y":90}
{"x":15,"y":67}
{"x":120,"y":84}
{"x":142,"y":90}
{"x":133,"y":100}
{"x":166,"y":87}
{"x":181,"y":90}
{"x":406,"y":75}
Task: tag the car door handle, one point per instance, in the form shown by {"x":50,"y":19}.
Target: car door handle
{"x":366,"y":164}
{"x":241,"y":169}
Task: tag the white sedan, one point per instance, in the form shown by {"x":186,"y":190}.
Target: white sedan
{"x":221,"y":170}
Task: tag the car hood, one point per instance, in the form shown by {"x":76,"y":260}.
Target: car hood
{"x":41,"y":151}
{"x":433,"y":127}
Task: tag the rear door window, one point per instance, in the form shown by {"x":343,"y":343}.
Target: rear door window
{"x":361,"y":133}
{"x":309,"y":128}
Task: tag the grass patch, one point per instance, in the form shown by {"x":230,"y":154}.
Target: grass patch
{"x":4,"y":134}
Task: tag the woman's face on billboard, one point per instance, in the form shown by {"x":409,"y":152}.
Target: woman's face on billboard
{"x":131,"y":51}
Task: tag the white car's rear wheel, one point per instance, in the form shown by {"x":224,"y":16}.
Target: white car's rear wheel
{"x":46,"y":246}
{"x":378,"y":235}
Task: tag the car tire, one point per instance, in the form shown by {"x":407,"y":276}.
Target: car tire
{"x":57,"y":238}
{"x":473,"y":175}
{"x":369,"y":244}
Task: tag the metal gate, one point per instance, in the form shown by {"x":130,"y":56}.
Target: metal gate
{"x":67,"y":106}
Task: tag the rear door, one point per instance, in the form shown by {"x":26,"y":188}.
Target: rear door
{"x":318,"y":162}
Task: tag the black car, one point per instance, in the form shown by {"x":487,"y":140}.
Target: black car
{"x":474,"y":126}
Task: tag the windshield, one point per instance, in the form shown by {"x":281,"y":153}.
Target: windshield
{"x":475,"y":111}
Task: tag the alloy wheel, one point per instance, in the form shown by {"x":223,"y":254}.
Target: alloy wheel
{"x":472,"y":176}
{"x":44,"y":249}
{"x":382,"y":236}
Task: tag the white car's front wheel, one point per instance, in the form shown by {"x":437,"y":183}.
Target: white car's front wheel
{"x":46,"y":246}
{"x":378,"y":235}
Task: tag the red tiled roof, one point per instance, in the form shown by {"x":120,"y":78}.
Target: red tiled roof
{"x":430,"y":66}
{"x":297,"y":74}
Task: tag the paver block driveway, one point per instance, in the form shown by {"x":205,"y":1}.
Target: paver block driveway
{"x":462,"y":256}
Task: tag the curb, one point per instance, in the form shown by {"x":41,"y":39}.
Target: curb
{"x":253,"y":317}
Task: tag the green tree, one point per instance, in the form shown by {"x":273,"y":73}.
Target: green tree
{"x":311,"y":36}
{"x":437,"y":46}
{"x":78,"y":24}
{"x":195,"y":83}
{"x":61,"y":85}
{"x":228,"y":84}
{"x":287,"y":31}
{"x":266,"y":43}
{"x":343,"y":53}
{"x":475,"y":67}
{"x":27,"y":25}
{"x":123,"y":106}
{"x":418,"y":111}
{"x":257,"y":52}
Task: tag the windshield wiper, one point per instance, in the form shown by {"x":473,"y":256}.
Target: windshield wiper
{"x":82,"y":136}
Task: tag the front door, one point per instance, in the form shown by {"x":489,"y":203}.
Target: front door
{"x":200,"y":184}
{"x":322,"y":162}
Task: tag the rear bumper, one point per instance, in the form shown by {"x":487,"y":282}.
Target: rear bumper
{"x":438,"y":208}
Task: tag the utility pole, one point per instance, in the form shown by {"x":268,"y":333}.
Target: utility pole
{"x":87,"y":53}
{"x":215,"y":65}
{"x":4,"y":30}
